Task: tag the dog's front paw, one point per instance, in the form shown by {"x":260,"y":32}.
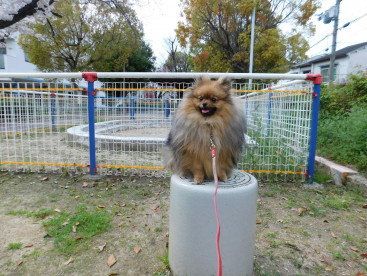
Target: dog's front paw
{"x":223,"y":177}
{"x":198,"y":179}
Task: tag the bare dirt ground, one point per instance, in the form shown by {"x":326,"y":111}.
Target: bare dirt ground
{"x":299,"y":231}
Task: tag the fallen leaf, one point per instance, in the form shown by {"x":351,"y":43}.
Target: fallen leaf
{"x":333,"y":235}
{"x":70,"y":261}
{"x":101,"y":206}
{"x":85,"y":184}
{"x":317,"y":250}
{"x":74,"y":229}
{"x":137,"y":250}
{"x":325,"y":220}
{"x":360,"y":274}
{"x":355,"y":249}
{"x":258,"y":222}
{"x":120,"y":224}
{"x":29,"y":245}
{"x":311,"y":213}
{"x":301,"y":210}
{"x":326,"y":260}
{"x":362,"y":218}
{"x":65,"y":223}
{"x":364,"y":206}
{"x":100,"y":247}
{"x":57,"y":210}
{"x":78,"y":239}
{"x":77,"y":196}
{"x":19,"y":262}
{"x":111,"y":260}
{"x":329,"y":268}
{"x":363,"y":255}
{"x":44,"y":179}
{"x":122,"y":205}
{"x":77,"y":223}
{"x":153,"y":207}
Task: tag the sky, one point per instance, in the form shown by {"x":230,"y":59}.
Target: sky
{"x":160,"y":17}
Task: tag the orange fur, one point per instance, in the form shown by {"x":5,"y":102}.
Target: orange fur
{"x":208,"y":109}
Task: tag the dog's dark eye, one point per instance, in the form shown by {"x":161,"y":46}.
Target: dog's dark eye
{"x":200,"y":98}
{"x":214,"y":100}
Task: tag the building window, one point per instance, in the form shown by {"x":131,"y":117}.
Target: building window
{"x":26,"y":57}
{"x":2,"y":59}
{"x":325,"y":73}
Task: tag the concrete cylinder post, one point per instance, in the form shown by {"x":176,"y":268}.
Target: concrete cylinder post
{"x":193,"y":226}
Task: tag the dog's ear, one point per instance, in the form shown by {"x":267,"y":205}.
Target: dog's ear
{"x":201,"y":80}
{"x":226,"y":83}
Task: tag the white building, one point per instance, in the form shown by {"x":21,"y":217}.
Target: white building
{"x":14,"y":60}
{"x":349,"y":60}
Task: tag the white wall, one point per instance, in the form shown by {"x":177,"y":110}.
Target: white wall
{"x":357,"y":60}
{"x":14,"y":59}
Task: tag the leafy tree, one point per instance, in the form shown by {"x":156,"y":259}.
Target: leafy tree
{"x":177,"y":61}
{"x":219,"y":33}
{"x":86,"y":33}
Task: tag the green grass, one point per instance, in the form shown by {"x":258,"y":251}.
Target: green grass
{"x":14,"y":245}
{"x":86,"y":223}
{"x":16,"y":213}
{"x":165,"y":260}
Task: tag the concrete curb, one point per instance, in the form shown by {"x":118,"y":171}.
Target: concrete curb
{"x":341,"y":175}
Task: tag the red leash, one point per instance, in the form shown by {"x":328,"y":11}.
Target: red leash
{"x":212,"y":148}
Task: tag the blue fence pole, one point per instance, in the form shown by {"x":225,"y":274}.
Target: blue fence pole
{"x":91,"y":78}
{"x":167,"y":108}
{"x":317,"y":79}
{"x":132,"y":109}
{"x":53,"y":110}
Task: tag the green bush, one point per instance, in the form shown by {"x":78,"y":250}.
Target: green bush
{"x":339,"y":100}
{"x":343,"y":138}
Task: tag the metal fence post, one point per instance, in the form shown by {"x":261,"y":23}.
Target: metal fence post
{"x":317,"y":80}
{"x":132,"y":109}
{"x":167,"y":108}
{"x":91,"y":78}
{"x":53,"y":110}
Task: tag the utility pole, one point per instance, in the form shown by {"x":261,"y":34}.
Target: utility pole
{"x":252,"y":44}
{"x":333,"y":47}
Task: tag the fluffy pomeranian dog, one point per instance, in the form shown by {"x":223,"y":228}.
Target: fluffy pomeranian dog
{"x":208,"y":111}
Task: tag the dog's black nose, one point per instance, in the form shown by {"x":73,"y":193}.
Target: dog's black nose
{"x":205,"y":104}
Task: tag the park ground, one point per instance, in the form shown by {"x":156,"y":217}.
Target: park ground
{"x":68,"y":225}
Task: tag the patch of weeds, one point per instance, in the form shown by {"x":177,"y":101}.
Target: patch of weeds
{"x":306,"y":234}
{"x":271,"y":235}
{"x":85,"y":225}
{"x":298,"y":263}
{"x":158,"y":229}
{"x":338,"y":256}
{"x":41,"y":214}
{"x":165,"y":260}
{"x":35,"y":255}
{"x":335,"y":203}
{"x":274,"y":244}
{"x":16,"y":213}
{"x":14,"y":245}
{"x":321,"y":177}
{"x":8,"y":263}
{"x":318,"y":210}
